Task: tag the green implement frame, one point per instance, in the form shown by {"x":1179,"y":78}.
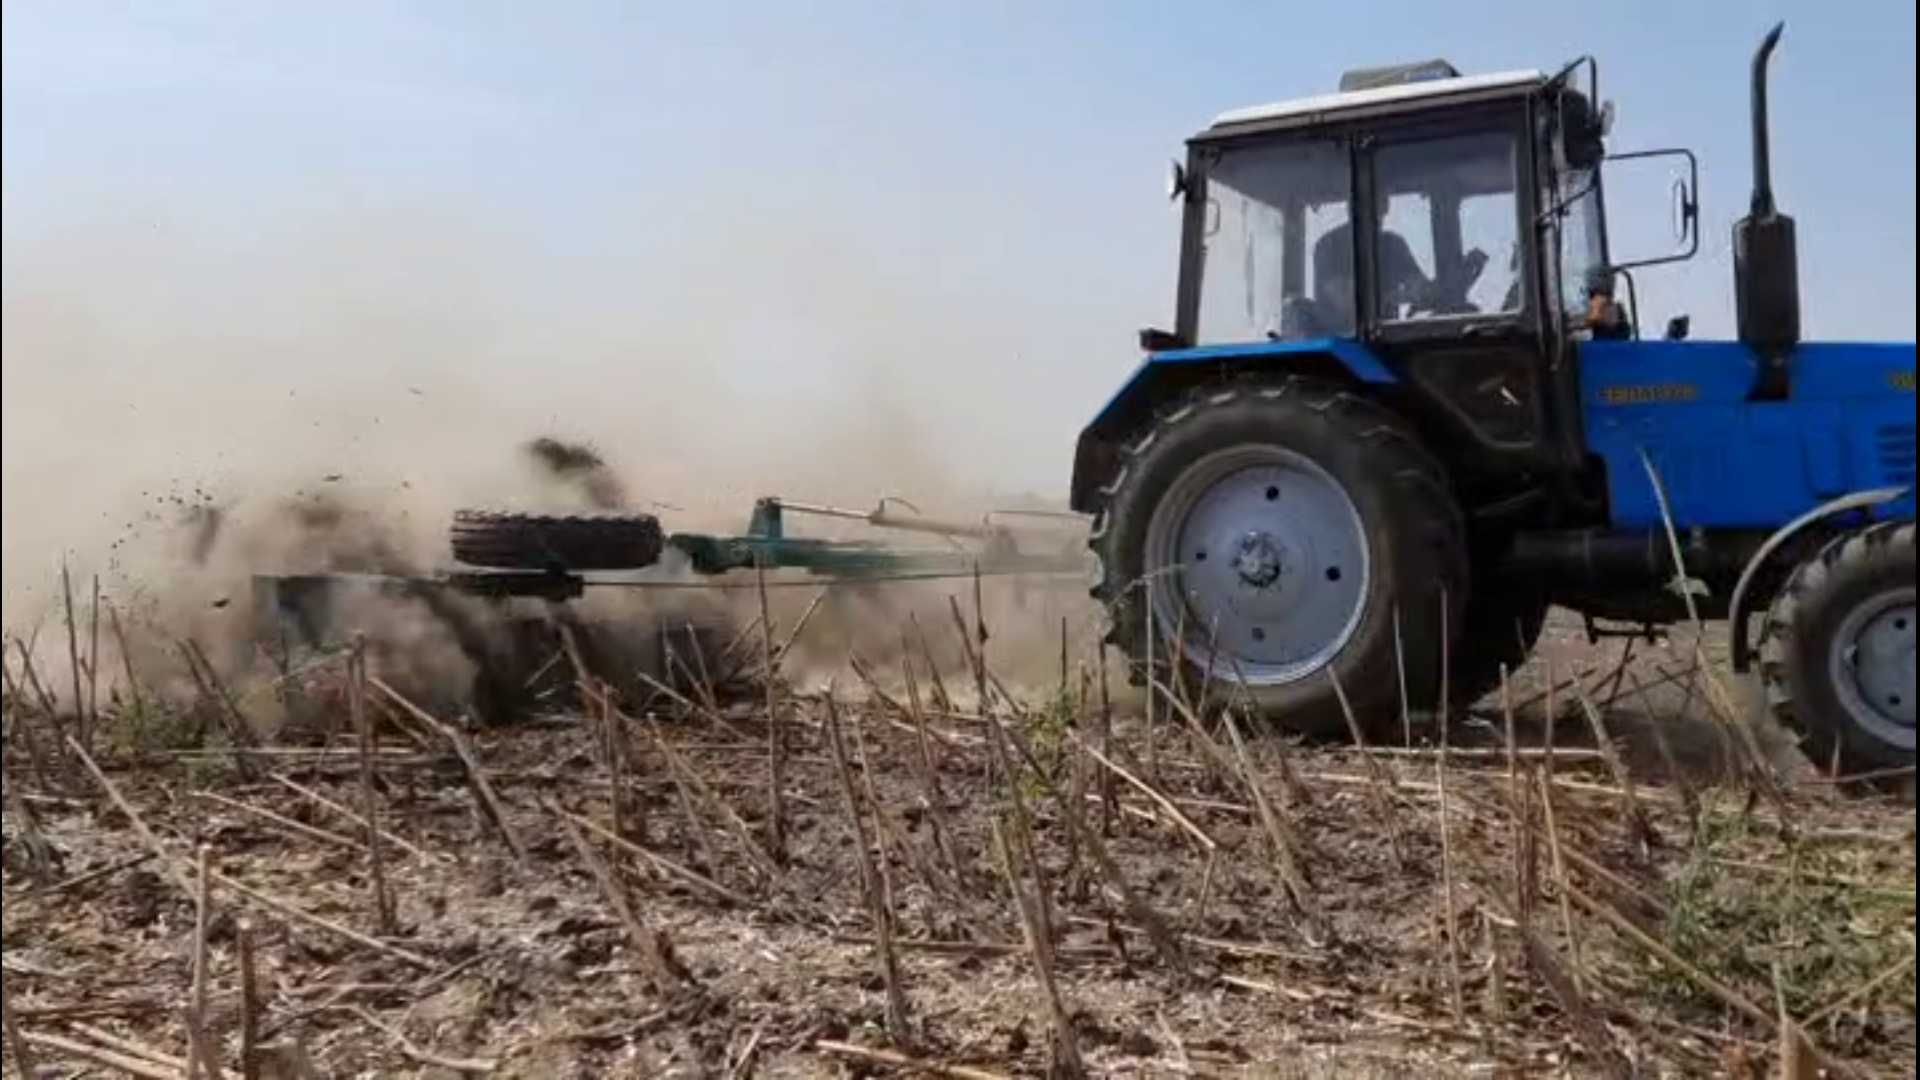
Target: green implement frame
{"x":992,"y":548}
{"x":303,"y":607}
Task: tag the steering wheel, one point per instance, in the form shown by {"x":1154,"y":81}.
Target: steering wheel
{"x":1442,"y":297}
{"x":1449,"y":296}
{"x":1471,"y":268}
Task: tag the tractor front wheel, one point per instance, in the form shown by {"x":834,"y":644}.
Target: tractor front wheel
{"x":1840,"y":651}
{"x":1277,"y":532}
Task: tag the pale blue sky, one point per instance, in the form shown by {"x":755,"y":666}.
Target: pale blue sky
{"x":950,"y":215}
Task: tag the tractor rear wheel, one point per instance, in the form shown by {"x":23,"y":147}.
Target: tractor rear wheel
{"x":1839,"y":659}
{"x":534,"y":542}
{"x":1278,"y":529}
{"x":1502,"y":627}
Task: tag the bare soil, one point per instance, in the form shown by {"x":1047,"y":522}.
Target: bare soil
{"x":733,"y":967}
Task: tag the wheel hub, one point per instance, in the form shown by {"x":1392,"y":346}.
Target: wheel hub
{"x":1872,"y":665}
{"x":1878,"y":657}
{"x":1259,"y":560}
{"x":1268,"y":562}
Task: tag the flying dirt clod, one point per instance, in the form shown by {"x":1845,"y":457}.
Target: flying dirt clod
{"x":581,"y":465}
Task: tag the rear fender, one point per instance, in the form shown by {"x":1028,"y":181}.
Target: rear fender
{"x":1164,"y":376}
{"x":1742,"y":604}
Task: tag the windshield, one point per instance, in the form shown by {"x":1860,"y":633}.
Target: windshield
{"x":1583,"y":253}
{"x":1267,"y":206}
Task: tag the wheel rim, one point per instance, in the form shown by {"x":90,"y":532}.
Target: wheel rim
{"x":1872,"y":664}
{"x":1265,"y":555}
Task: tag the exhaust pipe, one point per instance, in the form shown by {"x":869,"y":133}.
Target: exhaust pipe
{"x":1766,"y":261}
{"x":1762,"y":145}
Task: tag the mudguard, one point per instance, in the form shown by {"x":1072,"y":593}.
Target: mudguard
{"x":1738,"y":610}
{"x":1162,"y":374}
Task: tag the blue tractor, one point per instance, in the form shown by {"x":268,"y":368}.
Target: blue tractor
{"x":1406,"y":396}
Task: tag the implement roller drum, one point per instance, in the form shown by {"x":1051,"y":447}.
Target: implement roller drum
{"x":536,"y":542}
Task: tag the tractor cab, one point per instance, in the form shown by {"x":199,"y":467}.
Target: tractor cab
{"x":1449,"y":225}
{"x":1278,"y":251}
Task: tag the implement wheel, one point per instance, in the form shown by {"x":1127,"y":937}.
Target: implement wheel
{"x":1278,"y":527}
{"x":532,"y":542}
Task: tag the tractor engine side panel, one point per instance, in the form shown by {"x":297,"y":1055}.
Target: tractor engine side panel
{"x":1728,"y":462}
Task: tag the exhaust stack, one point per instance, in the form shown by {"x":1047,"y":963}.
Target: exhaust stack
{"x":1762,"y":144}
{"x":1765,"y":256}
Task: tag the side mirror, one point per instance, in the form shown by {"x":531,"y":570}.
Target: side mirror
{"x":1686,"y":211}
{"x":1631,"y":183}
{"x":1678,"y":327}
{"x":1176,"y":180}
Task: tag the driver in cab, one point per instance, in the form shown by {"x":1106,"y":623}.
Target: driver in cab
{"x":1400,"y":276}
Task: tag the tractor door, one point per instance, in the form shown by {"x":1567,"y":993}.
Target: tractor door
{"x":1450,"y":282}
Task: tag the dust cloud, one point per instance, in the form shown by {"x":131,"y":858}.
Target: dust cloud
{"x":186,"y":406}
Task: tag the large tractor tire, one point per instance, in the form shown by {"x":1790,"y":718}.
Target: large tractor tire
{"x":531,"y":542}
{"x":1839,"y":656}
{"x":1280,"y":527}
{"x":1501,"y":629}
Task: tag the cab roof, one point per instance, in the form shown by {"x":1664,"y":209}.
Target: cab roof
{"x":1374,"y":101}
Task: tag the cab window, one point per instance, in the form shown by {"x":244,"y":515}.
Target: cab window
{"x":1267,"y":205}
{"x":1448,"y":241}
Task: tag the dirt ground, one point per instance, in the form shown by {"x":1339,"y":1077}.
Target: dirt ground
{"x":1321,"y":911}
